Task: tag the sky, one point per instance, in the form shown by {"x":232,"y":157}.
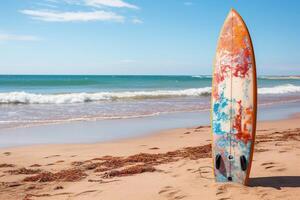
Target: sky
{"x":151,"y":37}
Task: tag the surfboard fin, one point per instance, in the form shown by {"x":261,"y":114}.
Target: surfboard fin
{"x":243,"y":161}
{"x":218,"y":161}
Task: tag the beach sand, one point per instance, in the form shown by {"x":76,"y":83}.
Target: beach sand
{"x":174,"y":164}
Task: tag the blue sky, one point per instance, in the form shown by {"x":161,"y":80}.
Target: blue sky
{"x":140,"y":36}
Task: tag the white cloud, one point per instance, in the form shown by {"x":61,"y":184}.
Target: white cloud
{"x":46,"y":5}
{"x":75,"y":2}
{"x":56,"y":16}
{"x":12,"y":37}
{"x":95,"y":14}
{"x":110,"y":3}
{"x":137,"y":21}
{"x":98,"y":3}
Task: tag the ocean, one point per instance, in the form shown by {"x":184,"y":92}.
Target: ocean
{"x":28,"y":100}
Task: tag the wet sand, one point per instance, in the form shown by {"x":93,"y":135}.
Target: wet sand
{"x":173,"y":164}
{"x":79,"y":132}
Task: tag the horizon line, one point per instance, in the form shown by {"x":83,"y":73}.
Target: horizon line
{"x":130,"y":75}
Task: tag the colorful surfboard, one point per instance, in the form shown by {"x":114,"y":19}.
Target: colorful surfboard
{"x":234,"y":94}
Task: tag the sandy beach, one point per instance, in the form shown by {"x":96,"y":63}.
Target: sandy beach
{"x":140,"y":100}
{"x":173,"y":164}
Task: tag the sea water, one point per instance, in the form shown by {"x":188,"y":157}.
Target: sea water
{"x":28,"y":100}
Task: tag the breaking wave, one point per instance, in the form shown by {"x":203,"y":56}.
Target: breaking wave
{"x":280,"y":77}
{"x":33,"y":98}
{"x":281,"y":89}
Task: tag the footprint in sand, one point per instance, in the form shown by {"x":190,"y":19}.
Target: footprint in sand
{"x":49,"y":164}
{"x":260,"y":150}
{"x":153,"y":148}
{"x":279,"y":144}
{"x":281,"y":169}
{"x":165,"y":189}
{"x":52,"y":156}
{"x":268,"y":165}
{"x":167,"y":172}
{"x":7,"y":153}
{"x":221,"y":189}
{"x":263,"y":194}
{"x":197,"y":130}
{"x":222,"y":192}
{"x":282,"y":151}
{"x":35,"y":165}
{"x":86,"y":192}
{"x":273,"y":166}
{"x":171,"y":193}
{"x":204,"y":172}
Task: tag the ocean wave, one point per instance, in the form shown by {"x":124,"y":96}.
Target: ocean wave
{"x":281,"y":89}
{"x":33,"y":98}
{"x":201,"y":76}
{"x":280,"y":77}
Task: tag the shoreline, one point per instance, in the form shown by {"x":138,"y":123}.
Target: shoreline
{"x":156,"y":134}
{"x":88,"y":132}
{"x":46,"y":122}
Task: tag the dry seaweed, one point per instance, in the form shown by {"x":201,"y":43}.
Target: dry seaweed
{"x":69,"y":175}
{"x":6,"y":165}
{"x":24,"y":170}
{"x":137,"y":169}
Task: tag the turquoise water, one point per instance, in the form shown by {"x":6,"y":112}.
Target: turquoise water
{"x":67,"y":83}
{"x":70,"y":83}
{"x":37,"y":99}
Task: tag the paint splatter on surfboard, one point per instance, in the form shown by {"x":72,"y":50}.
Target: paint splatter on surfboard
{"x":234,"y":103}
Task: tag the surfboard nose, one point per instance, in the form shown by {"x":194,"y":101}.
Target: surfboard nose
{"x":233,"y":12}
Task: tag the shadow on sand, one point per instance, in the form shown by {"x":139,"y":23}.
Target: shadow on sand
{"x":275,"y":181}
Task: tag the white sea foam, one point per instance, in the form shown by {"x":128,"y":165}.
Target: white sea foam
{"x":202,"y":76}
{"x":280,"y":77}
{"x":281,"y":89}
{"x":33,"y":98}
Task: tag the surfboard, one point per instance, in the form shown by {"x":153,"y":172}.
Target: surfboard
{"x":234,"y":102}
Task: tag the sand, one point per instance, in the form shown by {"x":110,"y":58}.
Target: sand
{"x":174,"y":164}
